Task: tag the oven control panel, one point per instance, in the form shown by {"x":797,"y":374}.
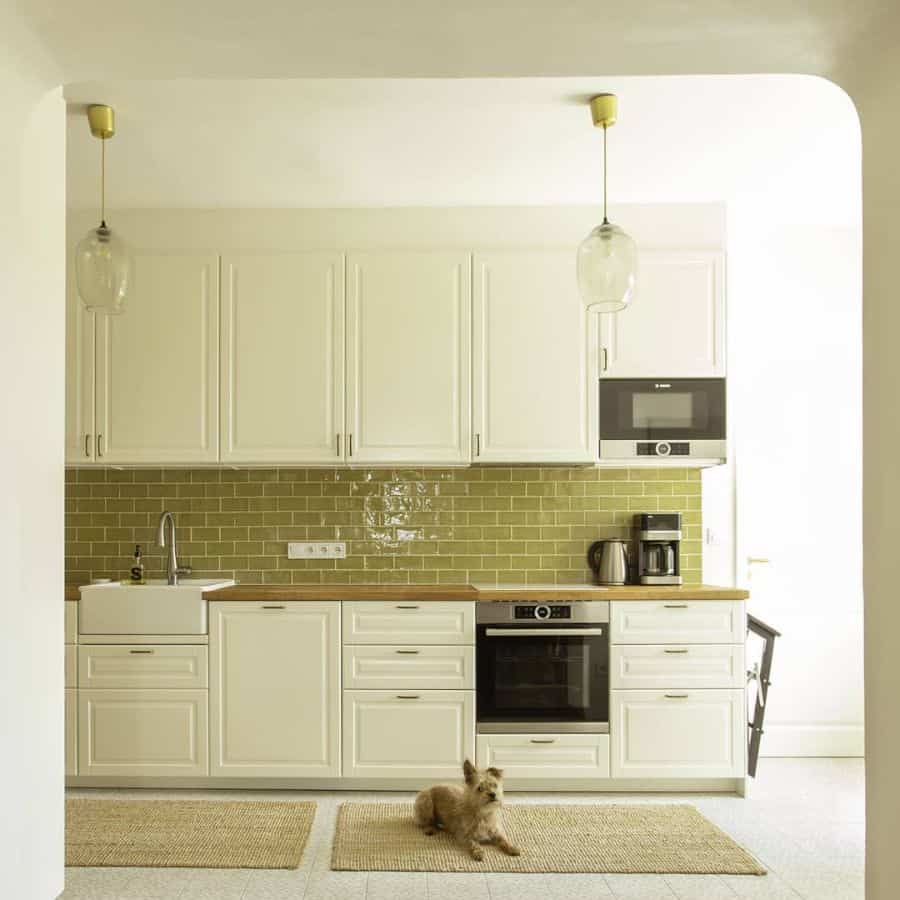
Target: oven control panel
{"x":543,"y":612}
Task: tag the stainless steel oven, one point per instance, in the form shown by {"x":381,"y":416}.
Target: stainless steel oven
{"x":542,"y":667}
{"x":643,"y":418}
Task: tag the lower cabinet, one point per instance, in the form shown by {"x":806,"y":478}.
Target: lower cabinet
{"x":142,"y":732}
{"x":677,"y":733}
{"x":275,"y":688}
{"x":408,"y":733}
{"x":545,"y":756}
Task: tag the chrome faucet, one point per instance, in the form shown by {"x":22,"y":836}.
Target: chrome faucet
{"x":173,"y":570}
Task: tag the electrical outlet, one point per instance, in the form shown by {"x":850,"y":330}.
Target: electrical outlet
{"x":317,"y":550}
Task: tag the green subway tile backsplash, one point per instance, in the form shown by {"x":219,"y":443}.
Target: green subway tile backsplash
{"x":401,"y":526}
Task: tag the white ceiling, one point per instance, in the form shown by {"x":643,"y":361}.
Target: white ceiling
{"x":788,"y":141}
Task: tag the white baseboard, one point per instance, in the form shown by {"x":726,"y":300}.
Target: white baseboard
{"x":802,"y":739}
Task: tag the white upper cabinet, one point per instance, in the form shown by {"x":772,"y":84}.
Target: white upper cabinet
{"x":157,"y":365}
{"x":535,"y":359}
{"x":283,"y":357}
{"x":408,"y":356}
{"x":81,"y":437}
{"x":675,"y":327}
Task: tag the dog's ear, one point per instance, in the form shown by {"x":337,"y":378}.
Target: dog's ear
{"x":469,"y":772}
{"x":497,"y":773}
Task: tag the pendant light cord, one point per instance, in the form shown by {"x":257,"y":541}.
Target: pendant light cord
{"x":103,"y":182}
{"x":605,"y":219}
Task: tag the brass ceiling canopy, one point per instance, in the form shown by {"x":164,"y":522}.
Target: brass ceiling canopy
{"x":603,"y":110}
{"x":102,"y":120}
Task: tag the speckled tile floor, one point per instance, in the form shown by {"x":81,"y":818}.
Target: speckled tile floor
{"x":804,"y":819}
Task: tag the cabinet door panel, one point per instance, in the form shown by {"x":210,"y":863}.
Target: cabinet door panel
{"x":375,"y":667}
{"x":142,"y":733}
{"x":535,"y":359}
{"x":408,"y":734}
{"x":80,"y":428}
{"x":545,"y":755}
{"x":679,"y":666}
{"x":275,"y":689}
{"x":677,"y":734}
{"x":386,"y":622}
{"x":408,"y":345}
{"x":282,"y":357}
{"x":71,"y":731}
{"x":158,"y":365}
{"x":677,"y":622}
{"x":675,"y":327}
{"x":141,"y":666}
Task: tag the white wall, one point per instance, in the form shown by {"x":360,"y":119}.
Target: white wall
{"x":32,"y":198}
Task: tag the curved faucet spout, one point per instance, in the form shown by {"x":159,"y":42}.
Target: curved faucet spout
{"x":173,"y":570}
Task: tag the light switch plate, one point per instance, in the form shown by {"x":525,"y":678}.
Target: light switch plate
{"x":316,"y":550}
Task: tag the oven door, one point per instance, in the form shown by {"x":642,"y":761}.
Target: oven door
{"x":542,"y":678}
{"x":648,"y":409}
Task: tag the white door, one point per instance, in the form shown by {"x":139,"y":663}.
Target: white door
{"x":275,"y":689}
{"x":534,"y":360}
{"x":283,"y":357}
{"x":408,"y":356}
{"x":408,"y":733}
{"x":677,"y":734}
{"x":153,"y":732}
{"x":675,"y":327}
{"x":81,"y":436}
{"x":158,"y":365}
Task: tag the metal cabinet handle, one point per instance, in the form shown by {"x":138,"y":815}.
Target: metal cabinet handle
{"x":273,"y":607}
{"x":408,"y":652}
{"x":676,"y":696}
{"x":675,"y":605}
{"x":543,"y":741}
{"x":337,"y":440}
{"x":407,"y":696}
{"x":758,"y":561}
{"x":682,"y":650}
{"x":407,"y":607}
{"x":477,"y":444}
{"x":87,"y":446}
{"x":349,"y":445}
{"x":605,"y":364}
{"x":99,"y":445}
{"x":140,"y":651}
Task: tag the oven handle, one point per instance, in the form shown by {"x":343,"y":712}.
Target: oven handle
{"x":542,"y":632}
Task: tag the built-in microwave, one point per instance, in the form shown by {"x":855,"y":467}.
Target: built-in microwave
{"x":644,"y":418}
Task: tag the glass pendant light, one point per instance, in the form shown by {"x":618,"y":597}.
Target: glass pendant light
{"x":103,"y":265}
{"x":607,"y":257}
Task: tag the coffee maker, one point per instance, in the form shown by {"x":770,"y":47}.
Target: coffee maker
{"x":657,"y":538}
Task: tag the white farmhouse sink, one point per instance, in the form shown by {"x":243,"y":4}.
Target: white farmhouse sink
{"x":152,"y":608}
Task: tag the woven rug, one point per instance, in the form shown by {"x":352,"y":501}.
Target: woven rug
{"x":212,"y":834}
{"x":637,"y":838}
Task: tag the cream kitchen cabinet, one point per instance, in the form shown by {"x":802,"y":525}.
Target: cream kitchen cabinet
{"x":81,"y":431}
{"x":275,"y":688}
{"x":282,"y":351}
{"x":675,"y":327}
{"x":534,"y":359}
{"x":545,"y":756}
{"x":674,"y":621}
{"x":677,"y":733}
{"x":408,"y":733}
{"x":408,"y":622}
{"x":408,"y":356}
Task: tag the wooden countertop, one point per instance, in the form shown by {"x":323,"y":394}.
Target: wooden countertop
{"x":497,"y":593}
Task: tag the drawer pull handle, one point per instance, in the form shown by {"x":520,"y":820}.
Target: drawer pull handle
{"x":546,"y":741}
{"x":407,"y":696}
{"x":408,"y":652}
{"x":676,"y":696}
{"x":682,"y":650}
{"x":273,"y":607}
{"x":675,"y":605}
{"x":407,"y":607}
{"x":140,"y":651}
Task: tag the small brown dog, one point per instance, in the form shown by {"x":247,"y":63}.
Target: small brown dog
{"x":470,"y":812}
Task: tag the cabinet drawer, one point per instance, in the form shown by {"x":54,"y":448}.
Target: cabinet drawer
{"x":677,"y":666}
{"x":545,"y":755}
{"x":409,"y":734}
{"x":71,"y":627}
{"x":677,"y":622}
{"x":141,"y":666}
{"x":71,"y":666}
{"x":403,"y":666}
{"x":677,"y":734}
{"x":408,"y":622}
{"x":142,"y":733}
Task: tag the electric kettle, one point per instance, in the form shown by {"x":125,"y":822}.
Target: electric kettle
{"x":609,"y":561}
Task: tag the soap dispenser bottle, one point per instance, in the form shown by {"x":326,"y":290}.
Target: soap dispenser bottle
{"x":137,"y":569}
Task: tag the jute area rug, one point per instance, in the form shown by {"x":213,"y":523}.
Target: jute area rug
{"x":211,"y":834}
{"x":637,"y":838}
